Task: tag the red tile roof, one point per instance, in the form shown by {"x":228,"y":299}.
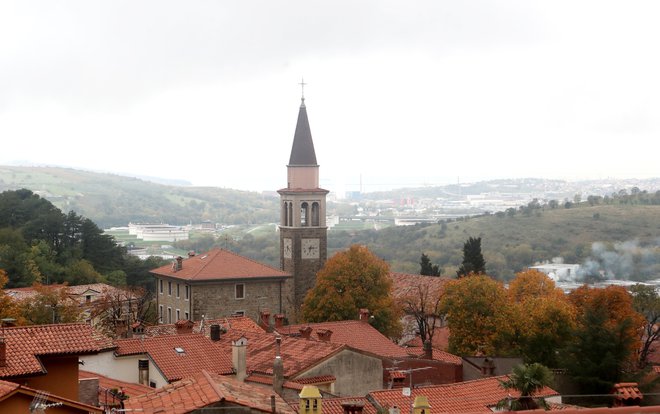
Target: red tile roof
{"x":440,"y":339}
{"x":205,"y":389}
{"x":239,"y":323}
{"x":297,"y":354}
{"x":334,"y":405}
{"x":26,"y":343}
{"x":320,"y":379}
{"x":199,"y":352}
{"x":627,"y":390}
{"x":130,"y":389}
{"x":7,"y":389}
{"x":438,"y":355}
{"x":356,"y":334}
{"x":462,"y":397}
{"x":268,"y":380}
{"x":220,"y":264}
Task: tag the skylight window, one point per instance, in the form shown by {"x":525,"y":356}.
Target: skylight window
{"x":179,"y":351}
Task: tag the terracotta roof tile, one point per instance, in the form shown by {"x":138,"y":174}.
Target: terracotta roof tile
{"x":334,"y":405}
{"x":320,"y":379}
{"x":26,"y":343}
{"x":438,"y":355}
{"x":268,"y":380}
{"x":220,"y":264}
{"x":356,"y":334}
{"x":627,"y":390}
{"x":462,"y":397}
{"x":199,"y":352}
{"x":8,"y":388}
{"x":239,"y":323}
{"x":297,"y":354}
{"x":106,"y":384}
{"x":203,"y":389}
{"x":440,"y":339}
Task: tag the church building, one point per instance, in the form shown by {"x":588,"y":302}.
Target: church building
{"x":303,"y":230}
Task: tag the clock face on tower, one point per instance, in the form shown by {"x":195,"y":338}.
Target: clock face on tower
{"x":287,"y":248}
{"x":310,"y":249}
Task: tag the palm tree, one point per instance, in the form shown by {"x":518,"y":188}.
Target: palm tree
{"x":527,"y":379}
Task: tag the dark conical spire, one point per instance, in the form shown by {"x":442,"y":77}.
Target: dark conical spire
{"x":302,"y":151}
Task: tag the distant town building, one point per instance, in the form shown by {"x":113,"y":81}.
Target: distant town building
{"x":158,"y":232}
{"x":559,"y":271}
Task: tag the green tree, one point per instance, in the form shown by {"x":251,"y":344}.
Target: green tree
{"x":473,"y":259}
{"x":349,"y":281}
{"x":527,"y":380}
{"x":427,"y":268}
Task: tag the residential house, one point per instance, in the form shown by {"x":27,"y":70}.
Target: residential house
{"x":360,"y":335}
{"x":205,"y":390}
{"x":17,"y":398}
{"x":218,"y":284}
{"x":102,"y":391}
{"x":45,"y":357}
{"x":478,"y":396}
{"x":158,"y":361}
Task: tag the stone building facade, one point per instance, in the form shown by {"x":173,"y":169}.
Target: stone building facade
{"x":218,"y":284}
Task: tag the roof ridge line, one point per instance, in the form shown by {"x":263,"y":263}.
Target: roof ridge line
{"x":215,"y":253}
{"x":213,"y":384}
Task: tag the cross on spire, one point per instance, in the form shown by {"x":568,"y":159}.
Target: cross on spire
{"x":302,"y":86}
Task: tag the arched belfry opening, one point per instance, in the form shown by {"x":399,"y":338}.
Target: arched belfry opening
{"x":315,"y":214}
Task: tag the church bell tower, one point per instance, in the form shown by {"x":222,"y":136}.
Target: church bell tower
{"x":303,"y":231}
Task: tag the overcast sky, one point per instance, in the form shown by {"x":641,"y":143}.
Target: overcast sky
{"x":399,"y":93}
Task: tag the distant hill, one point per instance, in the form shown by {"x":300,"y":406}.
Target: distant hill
{"x":113,"y":200}
{"x":621,"y":238}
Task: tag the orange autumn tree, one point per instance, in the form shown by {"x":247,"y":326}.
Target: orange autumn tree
{"x":479,"y":316}
{"x":9,"y":309}
{"x":544,"y":318}
{"x":349,"y":281}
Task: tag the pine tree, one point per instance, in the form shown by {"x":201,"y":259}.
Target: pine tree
{"x":473,"y":260}
{"x":427,"y":268}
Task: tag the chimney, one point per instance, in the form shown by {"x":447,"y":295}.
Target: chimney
{"x":364,"y":315}
{"x":143,"y":371}
{"x":215,"y":332}
{"x":310,"y":400}
{"x":279,"y":320}
{"x":488,"y":367}
{"x":421,"y":405}
{"x":264,"y":320}
{"x":306,"y":332}
{"x":324,"y":334}
{"x":3,"y":352}
{"x":278,"y":369}
{"x":352,"y":407}
{"x":239,"y":357}
{"x":428,"y":349}
{"x":183,"y":326}
{"x":179,"y":264}
{"x":191,"y":254}
{"x":394,"y":410}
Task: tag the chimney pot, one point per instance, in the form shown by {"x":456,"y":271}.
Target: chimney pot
{"x":215,"y":332}
{"x":364,"y":315}
{"x":179,"y":264}
{"x":264,"y":315}
{"x":3,"y":352}
{"x":324,"y":334}
{"x":305,"y":332}
{"x":191,"y":253}
{"x":279,"y":320}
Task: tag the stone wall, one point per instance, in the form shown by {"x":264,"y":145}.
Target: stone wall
{"x":170,"y":300}
{"x":216,"y":300}
{"x":357,"y":374}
